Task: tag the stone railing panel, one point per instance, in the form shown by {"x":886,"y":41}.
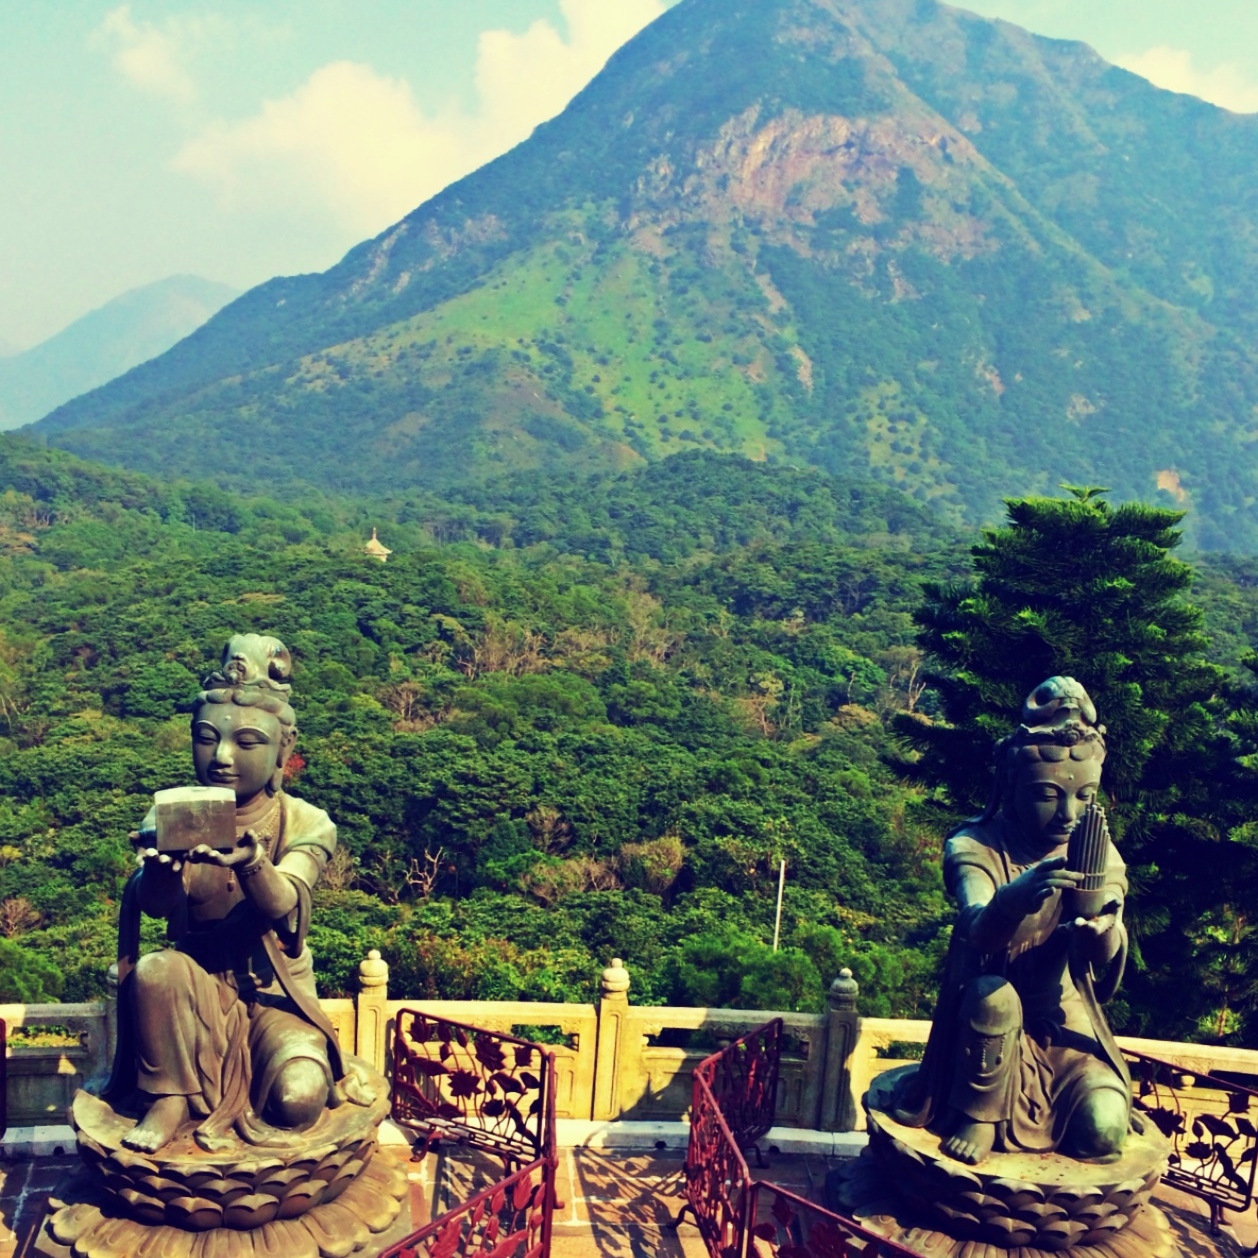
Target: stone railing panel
{"x":342,"y":1016}
{"x":1196,"y":1059}
{"x":653,"y":1081}
{"x":609,"y":1068}
{"x":42,"y":1081}
{"x":876,"y":1035}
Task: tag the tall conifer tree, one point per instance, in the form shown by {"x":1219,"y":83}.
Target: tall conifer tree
{"x":1074,"y":587}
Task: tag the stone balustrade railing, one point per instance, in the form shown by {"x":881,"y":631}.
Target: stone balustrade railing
{"x":609,"y":1062}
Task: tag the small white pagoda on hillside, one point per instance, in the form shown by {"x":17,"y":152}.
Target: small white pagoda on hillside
{"x":376,"y":548}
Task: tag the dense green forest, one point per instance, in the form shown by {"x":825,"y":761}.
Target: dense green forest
{"x":591,"y":719}
{"x":566,"y":720}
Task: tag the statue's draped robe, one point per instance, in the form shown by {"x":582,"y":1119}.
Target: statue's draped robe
{"x":1067,"y":1049}
{"x":216,"y":1016}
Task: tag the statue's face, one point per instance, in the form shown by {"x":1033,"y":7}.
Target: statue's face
{"x":1050,"y":796}
{"x":237,"y":747}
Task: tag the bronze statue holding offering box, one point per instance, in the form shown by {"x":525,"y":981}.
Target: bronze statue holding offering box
{"x":227,"y":1026}
{"x":231,"y":1106}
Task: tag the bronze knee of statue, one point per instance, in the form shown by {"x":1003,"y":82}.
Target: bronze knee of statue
{"x":298,"y":1095}
{"x":1098,"y":1128}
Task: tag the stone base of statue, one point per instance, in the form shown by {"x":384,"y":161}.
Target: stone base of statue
{"x":325,"y":1197}
{"x":905,"y":1188}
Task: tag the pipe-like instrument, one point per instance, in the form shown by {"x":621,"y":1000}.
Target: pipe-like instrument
{"x":1086,"y":854}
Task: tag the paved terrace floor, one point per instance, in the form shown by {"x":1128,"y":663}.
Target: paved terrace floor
{"x":615,"y":1203}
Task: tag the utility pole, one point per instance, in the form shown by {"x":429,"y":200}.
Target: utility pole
{"x":777,"y":922}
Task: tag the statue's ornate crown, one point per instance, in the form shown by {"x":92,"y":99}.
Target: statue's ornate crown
{"x":1057,"y":713}
{"x":252,"y":659}
{"x":1057,"y":702}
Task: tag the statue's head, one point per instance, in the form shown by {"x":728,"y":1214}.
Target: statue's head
{"x":243,"y":728}
{"x":1049,"y":768}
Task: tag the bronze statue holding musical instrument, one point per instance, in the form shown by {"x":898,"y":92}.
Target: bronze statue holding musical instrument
{"x":1020,"y":1056}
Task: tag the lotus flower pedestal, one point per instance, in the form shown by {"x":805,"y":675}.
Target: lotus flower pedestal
{"x":1033,"y":1205}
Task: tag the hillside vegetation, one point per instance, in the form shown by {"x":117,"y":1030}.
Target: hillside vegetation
{"x":891,"y":240}
{"x":598,"y":734}
{"x":565,"y":721}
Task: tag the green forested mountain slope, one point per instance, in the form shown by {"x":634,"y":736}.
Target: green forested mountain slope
{"x":884,"y":238}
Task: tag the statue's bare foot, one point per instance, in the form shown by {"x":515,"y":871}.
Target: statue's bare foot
{"x":166,"y":1115}
{"x":971,"y":1142}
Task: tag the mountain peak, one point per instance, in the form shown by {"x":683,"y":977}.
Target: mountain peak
{"x":129,"y":329}
{"x":888,"y":237}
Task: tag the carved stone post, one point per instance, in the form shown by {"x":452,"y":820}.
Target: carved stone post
{"x":840,"y":1106}
{"x":612,"y":1015}
{"x":372,"y":1014}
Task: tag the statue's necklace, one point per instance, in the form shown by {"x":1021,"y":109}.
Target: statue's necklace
{"x":265,"y":830}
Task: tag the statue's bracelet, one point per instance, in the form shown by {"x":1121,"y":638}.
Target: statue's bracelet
{"x":247,"y":871}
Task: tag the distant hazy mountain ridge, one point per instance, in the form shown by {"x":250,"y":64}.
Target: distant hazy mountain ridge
{"x":884,"y":237}
{"x":123,"y":333}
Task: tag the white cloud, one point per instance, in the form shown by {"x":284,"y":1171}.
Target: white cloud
{"x":1173,"y":68}
{"x":353,"y":140}
{"x":148,"y":56}
{"x":360,"y":146}
{"x":525,"y":79}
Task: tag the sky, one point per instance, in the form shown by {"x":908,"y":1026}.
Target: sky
{"x":238,"y":140}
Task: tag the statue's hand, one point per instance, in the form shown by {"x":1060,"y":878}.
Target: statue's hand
{"x":1028,"y":891}
{"x":246,"y":852}
{"x":1095,"y":938}
{"x":149,"y":858}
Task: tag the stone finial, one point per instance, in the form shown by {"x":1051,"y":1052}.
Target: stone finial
{"x":373,"y":971}
{"x":843,"y":991}
{"x":615,"y":978}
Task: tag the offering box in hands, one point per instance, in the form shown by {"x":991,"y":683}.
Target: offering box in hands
{"x":188,"y":816}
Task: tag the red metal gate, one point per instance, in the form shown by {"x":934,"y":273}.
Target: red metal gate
{"x":509,"y":1219}
{"x":781,"y":1224}
{"x":743,"y":1079}
{"x":718,"y":1183}
{"x":1214,"y":1142}
{"x":732,"y":1105}
{"x":495,"y":1093}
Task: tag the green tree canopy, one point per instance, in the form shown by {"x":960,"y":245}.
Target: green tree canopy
{"x":1074,"y":587}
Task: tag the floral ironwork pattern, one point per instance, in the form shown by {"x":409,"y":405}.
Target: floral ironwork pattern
{"x":718,"y":1183}
{"x":1213,"y":1154}
{"x":783,"y":1225}
{"x":458,"y":1082}
{"x":509,"y":1219}
{"x":743,"y":1078}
